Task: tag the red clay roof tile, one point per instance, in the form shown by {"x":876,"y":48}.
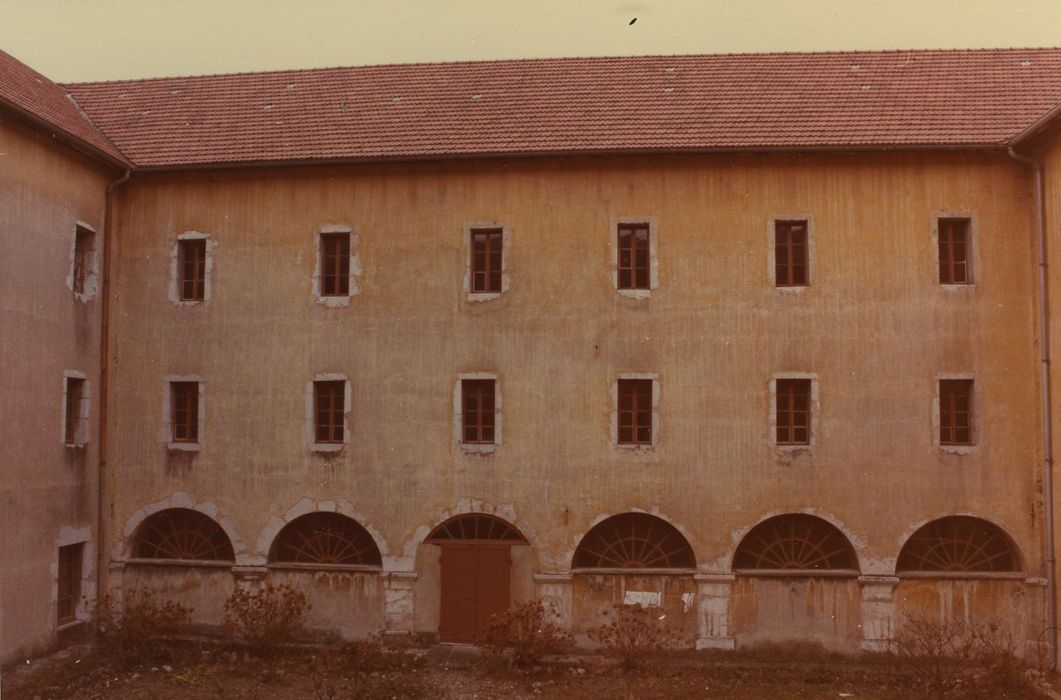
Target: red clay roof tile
{"x":32,"y":94}
{"x":848,"y":100}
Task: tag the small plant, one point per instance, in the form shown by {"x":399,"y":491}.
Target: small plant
{"x":954,"y":657}
{"x":140,"y":628}
{"x":632,"y":633}
{"x":267,"y":618}
{"x":525,"y":634}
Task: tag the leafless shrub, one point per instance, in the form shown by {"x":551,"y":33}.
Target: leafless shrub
{"x":266,"y":618}
{"x":524,"y":634}
{"x":954,"y":657}
{"x":634,"y":632}
{"x":141,"y":628}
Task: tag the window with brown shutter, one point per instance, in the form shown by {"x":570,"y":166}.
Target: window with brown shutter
{"x":83,"y":244}
{"x":955,"y":411}
{"x":191,"y":267}
{"x":75,"y":393}
{"x":184,"y":397}
{"x":486,"y":259}
{"x":790,"y":253}
{"x":635,"y":412}
{"x":69,"y":583}
{"x":793,"y":411}
{"x":477,"y":411}
{"x":954,"y":249}
{"x":329,"y":398}
{"x":634,"y":257}
{"x":335,"y":264}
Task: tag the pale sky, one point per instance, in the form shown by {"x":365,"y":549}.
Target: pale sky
{"x":78,"y":40}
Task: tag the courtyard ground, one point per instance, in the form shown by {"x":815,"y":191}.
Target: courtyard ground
{"x":204,"y":670}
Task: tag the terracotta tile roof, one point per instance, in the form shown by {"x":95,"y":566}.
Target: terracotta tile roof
{"x":30,"y":93}
{"x":951,"y":98}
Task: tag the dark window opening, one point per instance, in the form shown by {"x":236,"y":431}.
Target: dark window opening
{"x":185,"y":411}
{"x":475,"y":526}
{"x":955,"y":411}
{"x":191,"y":266}
{"x":634,"y":541}
{"x":486,"y":259}
{"x":181,"y":533}
{"x":956,"y":544}
{"x":634,"y":257}
{"x":954,"y":261}
{"x":83,"y":244}
{"x":69,"y":583}
{"x":790,"y":253}
{"x":325,"y":538}
{"x":329,"y":398}
{"x":335,"y":264}
{"x":635,"y":412}
{"x":795,"y":542}
{"x":75,"y":393}
{"x":793,"y":411}
{"x":477,"y":411}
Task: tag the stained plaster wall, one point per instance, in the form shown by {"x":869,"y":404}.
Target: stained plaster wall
{"x":874,"y":326}
{"x":48,"y":494}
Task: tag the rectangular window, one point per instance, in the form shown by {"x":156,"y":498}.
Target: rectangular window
{"x":486,"y":259}
{"x":955,"y":411}
{"x":634,"y":257}
{"x":184,"y":397}
{"x":793,"y":411}
{"x":75,"y":393}
{"x":635,"y":412}
{"x":477,"y":411}
{"x":191,"y":267}
{"x":329,"y":399}
{"x":954,"y":260}
{"x":790,"y":253}
{"x":69,"y":583}
{"x":83,"y":240}
{"x":335,"y":264}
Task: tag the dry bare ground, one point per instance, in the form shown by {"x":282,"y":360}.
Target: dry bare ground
{"x":208,"y":670}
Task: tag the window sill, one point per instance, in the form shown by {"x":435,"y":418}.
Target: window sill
{"x":328,"y":447}
{"x":958,"y":449}
{"x":794,"y":448}
{"x":188,"y":302}
{"x":483,"y":296}
{"x":484,"y":449}
{"x":69,"y":625}
{"x":75,"y":445}
{"x":792,"y":288}
{"x":635,"y":293}
{"x":635,"y":447}
{"x":953,"y":287}
{"x":334,"y":302}
{"x":183,"y":446}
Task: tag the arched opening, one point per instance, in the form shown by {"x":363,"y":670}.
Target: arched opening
{"x":795,"y":543}
{"x":634,"y":541}
{"x":475,"y":569}
{"x":959,"y":544}
{"x":182,"y":534}
{"x":323,"y":538}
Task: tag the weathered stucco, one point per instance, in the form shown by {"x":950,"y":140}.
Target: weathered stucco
{"x":48,"y":491}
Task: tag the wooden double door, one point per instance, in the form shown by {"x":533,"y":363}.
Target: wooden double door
{"x":476,"y":583}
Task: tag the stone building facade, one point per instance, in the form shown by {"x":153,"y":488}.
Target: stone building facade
{"x":428,"y":364}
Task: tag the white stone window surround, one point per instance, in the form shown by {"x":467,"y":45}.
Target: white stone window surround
{"x":82,"y":430}
{"x":335,"y":302}
{"x":974,"y":417}
{"x":174,"y":271}
{"x":92,"y":273}
{"x":771,"y":251}
{"x":506,"y":241}
{"x":613,"y":426}
{"x":815,"y":410}
{"x":311,"y":414}
{"x":83,"y":536}
{"x":613,"y":252}
{"x":167,"y":413}
{"x":458,"y":414}
{"x":973,"y":244}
